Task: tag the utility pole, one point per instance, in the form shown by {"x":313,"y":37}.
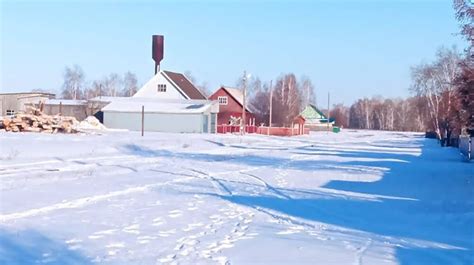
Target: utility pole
{"x":242,"y":121}
{"x":143,"y":120}
{"x":271,"y":107}
{"x":329,"y":112}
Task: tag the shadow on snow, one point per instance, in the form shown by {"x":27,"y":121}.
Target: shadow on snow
{"x":32,"y":247}
{"x":438,"y":214}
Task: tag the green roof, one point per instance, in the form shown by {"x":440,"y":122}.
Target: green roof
{"x":311,"y":112}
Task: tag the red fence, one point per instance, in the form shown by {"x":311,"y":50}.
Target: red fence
{"x":235,"y":129}
{"x":281,"y":131}
{"x":278,"y":131}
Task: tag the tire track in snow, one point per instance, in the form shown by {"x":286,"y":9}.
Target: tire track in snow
{"x":83,"y":171}
{"x":215,"y":182}
{"x":27,"y":167}
{"x":82,"y":202}
{"x":268,"y":186}
{"x":360,"y":252}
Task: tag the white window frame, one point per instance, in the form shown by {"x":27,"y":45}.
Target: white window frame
{"x":223,"y":100}
{"x":10,"y":112}
{"x":161,"y":88}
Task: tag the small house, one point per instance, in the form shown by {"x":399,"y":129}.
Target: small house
{"x":230,"y":105}
{"x":315,"y":119}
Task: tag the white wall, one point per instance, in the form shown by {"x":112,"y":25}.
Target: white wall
{"x":150,"y":89}
{"x":159,"y":122}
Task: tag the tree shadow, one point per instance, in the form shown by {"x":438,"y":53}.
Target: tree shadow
{"x":430,"y":211}
{"x":32,"y":247}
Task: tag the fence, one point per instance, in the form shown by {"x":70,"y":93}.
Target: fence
{"x":278,"y":131}
{"x":235,"y":129}
{"x":466,"y":146}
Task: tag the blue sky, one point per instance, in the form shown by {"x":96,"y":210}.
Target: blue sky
{"x":351,"y":48}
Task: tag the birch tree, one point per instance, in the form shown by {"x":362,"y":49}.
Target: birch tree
{"x":436,"y":82}
{"x":73,"y":82}
{"x":130,"y":86}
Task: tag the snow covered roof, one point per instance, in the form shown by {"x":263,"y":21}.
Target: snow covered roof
{"x":65,"y":102}
{"x":107,"y":99}
{"x":160,"y":105}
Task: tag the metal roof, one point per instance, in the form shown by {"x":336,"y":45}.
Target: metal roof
{"x":185,"y":85}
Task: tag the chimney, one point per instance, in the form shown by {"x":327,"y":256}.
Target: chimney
{"x":157,"y":51}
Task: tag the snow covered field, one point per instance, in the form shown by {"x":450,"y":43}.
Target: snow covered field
{"x":350,"y":198}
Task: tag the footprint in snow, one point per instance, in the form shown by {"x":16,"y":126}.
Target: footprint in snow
{"x":175,"y":213}
{"x":166,"y":233}
{"x":115,"y":245}
{"x":132,"y":229}
{"x":145,"y":239}
{"x":168,"y":258}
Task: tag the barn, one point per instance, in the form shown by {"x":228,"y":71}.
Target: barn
{"x":162,"y":115}
{"x":12,"y":103}
{"x":230,"y":105}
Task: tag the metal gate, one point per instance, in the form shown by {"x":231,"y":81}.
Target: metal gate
{"x":213,"y":122}
{"x":205,"y":124}
{"x":466,"y":146}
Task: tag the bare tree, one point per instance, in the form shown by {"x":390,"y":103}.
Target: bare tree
{"x":465,"y":15}
{"x":73,"y":82}
{"x":95,"y":89}
{"x":435,"y":82}
{"x":130,"y":86}
{"x":286,"y":100}
{"x":113,"y":84}
{"x":308,"y":94}
{"x":260,"y":102}
{"x":340,"y":113}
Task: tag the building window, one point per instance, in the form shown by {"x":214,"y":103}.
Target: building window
{"x":10,"y":112}
{"x":161,"y":87}
{"x":222,"y":100}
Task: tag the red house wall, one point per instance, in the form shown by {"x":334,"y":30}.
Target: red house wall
{"x":233,"y":108}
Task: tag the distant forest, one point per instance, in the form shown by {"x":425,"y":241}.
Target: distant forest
{"x":442,"y":98}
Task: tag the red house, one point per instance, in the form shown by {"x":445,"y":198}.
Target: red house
{"x":230,"y":104}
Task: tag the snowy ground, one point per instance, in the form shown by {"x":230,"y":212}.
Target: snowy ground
{"x":350,"y":198}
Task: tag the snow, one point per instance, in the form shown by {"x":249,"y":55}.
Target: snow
{"x":134,"y":104}
{"x":357,"y":197}
{"x":90,"y":123}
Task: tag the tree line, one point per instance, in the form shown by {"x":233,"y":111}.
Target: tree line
{"x":442,"y":91}
{"x":435,"y":105}
{"x":439,"y":103}
{"x":288,"y":96}
{"x":75,"y":85}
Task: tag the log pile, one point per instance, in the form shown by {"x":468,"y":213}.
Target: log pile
{"x":36,"y":121}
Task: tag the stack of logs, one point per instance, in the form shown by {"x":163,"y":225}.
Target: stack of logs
{"x":36,"y":121}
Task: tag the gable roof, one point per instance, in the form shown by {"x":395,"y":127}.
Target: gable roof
{"x":185,"y":85}
{"x":311,"y":112}
{"x":238,"y":96}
